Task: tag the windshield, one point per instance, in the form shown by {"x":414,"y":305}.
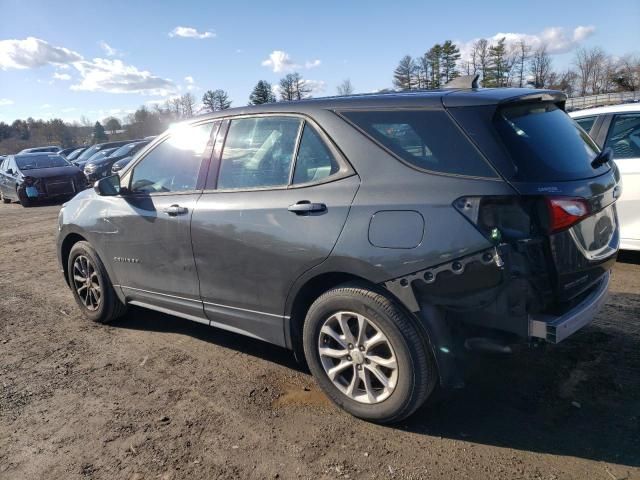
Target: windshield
{"x":73,"y":155}
{"x":101,"y":154}
{"x":545,"y":144}
{"x":124,"y":150}
{"x":40,"y":161}
{"x":88,"y":153}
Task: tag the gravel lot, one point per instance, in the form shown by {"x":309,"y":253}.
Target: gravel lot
{"x":154,"y":396}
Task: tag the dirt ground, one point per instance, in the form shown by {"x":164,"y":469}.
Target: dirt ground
{"x":154,"y":396}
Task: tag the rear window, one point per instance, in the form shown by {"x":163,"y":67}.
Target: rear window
{"x":428,"y":140}
{"x":545,"y":144}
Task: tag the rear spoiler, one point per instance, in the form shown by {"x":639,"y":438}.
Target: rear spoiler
{"x":559,"y":98}
{"x":500,"y":96}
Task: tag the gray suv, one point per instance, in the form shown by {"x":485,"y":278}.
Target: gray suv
{"x":380,"y":237}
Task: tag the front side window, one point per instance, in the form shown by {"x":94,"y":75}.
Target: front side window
{"x":258,"y":152}
{"x":315,"y":161}
{"x":586,"y":123}
{"x":173,"y":165}
{"x":426,"y":139}
{"x":624,"y":136}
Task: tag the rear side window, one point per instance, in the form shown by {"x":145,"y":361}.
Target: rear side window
{"x":258,"y":152}
{"x":624,"y":136}
{"x":315,"y":161}
{"x":428,"y":140}
{"x":586,"y":123}
{"x":545,"y":144}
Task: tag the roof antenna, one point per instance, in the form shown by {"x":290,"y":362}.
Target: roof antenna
{"x":465,"y":81}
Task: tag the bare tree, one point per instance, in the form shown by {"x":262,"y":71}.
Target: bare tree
{"x":293,"y":87}
{"x":540,"y":67}
{"x":480,"y":57}
{"x":589,"y":68}
{"x":345,"y":88}
{"x":626,"y":74}
{"x":522,"y":53}
{"x":216,"y":100}
{"x":188,"y":103}
{"x":404,"y":74}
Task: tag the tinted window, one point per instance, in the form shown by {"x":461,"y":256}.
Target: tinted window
{"x":44,"y":160}
{"x":425,"y":139}
{"x":258,"y":152}
{"x":624,"y":136}
{"x":88,"y":153}
{"x":545,"y":144}
{"x":174,"y":164}
{"x":315,"y":161}
{"x":75,"y":153}
{"x":586,"y":122}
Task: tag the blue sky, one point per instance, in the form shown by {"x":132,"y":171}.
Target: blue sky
{"x":54,"y":61}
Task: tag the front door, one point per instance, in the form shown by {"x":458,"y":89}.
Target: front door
{"x":149,"y":244}
{"x":267,"y":223}
{"x":624,"y":139}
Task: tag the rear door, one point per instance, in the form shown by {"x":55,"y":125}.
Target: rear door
{"x":624,"y":140}
{"x":145,"y":231}
{"x":273,"y":209}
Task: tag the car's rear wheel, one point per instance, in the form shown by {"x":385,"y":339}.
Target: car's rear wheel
{"x":367,"y":354}
{"x":91,"y":286}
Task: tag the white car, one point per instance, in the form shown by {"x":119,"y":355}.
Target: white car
{"x":618,"y":127}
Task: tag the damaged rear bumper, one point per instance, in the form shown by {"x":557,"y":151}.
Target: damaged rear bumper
{"x":554,"y":329}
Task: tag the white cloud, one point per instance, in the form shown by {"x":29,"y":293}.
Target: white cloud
{"x":45,"y":106}
{"x":312,"y":64}
{"x":61,"y":76}
{"x":109,"y":51}
{"x":32,"y":53}
{"x":114,"y":76}
{"x":5,"y":101}
{"x":189,"y":79}
{"x":280,"y":61}
{"x":317,"y":86}
{"x":190,"y":32}
{"x":556,"y":39}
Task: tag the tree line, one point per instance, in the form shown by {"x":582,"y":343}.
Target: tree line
{"x":592,"y":70}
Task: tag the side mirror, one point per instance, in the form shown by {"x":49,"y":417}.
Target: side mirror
{"x":108,"y":186}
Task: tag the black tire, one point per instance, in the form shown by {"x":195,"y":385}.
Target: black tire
{"x":109,"y":307}
{"x":23,"y":199}
{"x":417,"y":374}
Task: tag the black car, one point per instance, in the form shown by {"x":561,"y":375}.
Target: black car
{"x":36,"y":176}
{"x":84,"y":157}
{"x":381,"y":237}
{"x":48,"y":149}
{"x":67,"y":151}
{"x":76,"y":153}
{"x":97,"y":168}
{"x":120,"y":164}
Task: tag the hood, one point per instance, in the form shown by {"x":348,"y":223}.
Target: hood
{"x":69,"y":171}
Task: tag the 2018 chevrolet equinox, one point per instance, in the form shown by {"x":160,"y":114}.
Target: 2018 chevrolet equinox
{"x":380,"y":236}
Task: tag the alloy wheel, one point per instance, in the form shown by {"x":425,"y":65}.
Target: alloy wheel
{"x":358,"y":357}
{"x":87,"y":283}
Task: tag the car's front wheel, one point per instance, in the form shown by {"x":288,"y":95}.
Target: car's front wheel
{"x":91,"y":286}
{"x":23,"y":199}
{"x":367,"y":354}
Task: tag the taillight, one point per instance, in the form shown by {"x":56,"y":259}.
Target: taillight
{"x":565,"y":212}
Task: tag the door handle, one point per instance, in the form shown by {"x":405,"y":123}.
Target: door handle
{"x":305,"y":207}
{"x":174,"y":210}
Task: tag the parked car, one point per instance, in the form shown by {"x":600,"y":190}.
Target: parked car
{"x":375,"y":235}
{"x":82,"y":159}
{"x":29,"y":177}
{"x":98,"y":167}
{"x":51,"y":149}
{"x":90,"y":165}
{"x":618,"y":127}
{"x":76,"y":153}
{"x":120,"y":164}
{"x":65,"y":152}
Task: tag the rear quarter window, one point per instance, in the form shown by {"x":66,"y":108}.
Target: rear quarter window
{"x":425,"y":139}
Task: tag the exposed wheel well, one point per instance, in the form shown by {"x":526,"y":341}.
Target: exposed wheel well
{"x":306,"y":296}
{"x":67,"y":244}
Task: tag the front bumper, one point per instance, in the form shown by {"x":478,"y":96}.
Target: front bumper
{"x":554,"y":329}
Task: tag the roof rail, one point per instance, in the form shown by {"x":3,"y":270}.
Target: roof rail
{"x":465,"y":81}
